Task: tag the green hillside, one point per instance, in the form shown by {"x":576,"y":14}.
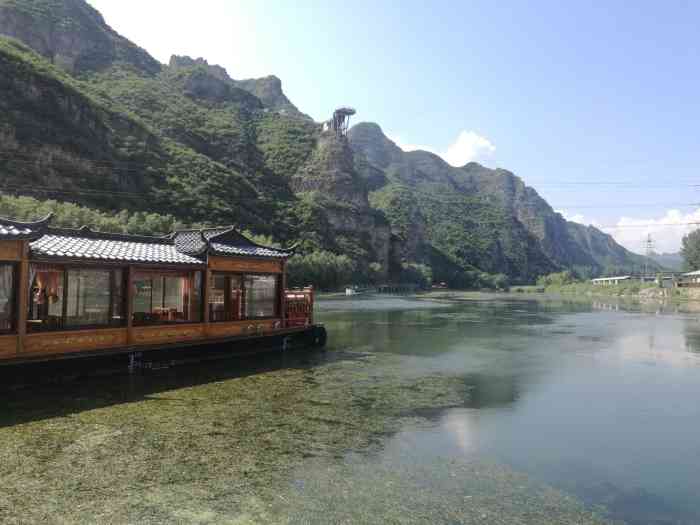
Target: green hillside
{"x":90,"y":122}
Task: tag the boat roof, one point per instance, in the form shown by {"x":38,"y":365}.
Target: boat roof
{"x":181,"y":247}
{"x":11,"y":229}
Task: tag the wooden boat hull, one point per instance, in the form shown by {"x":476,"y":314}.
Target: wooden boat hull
{"x":206,"y":348}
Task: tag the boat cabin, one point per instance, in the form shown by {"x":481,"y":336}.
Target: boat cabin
{"x":70,"y":292}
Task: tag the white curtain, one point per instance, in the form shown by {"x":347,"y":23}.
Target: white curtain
{"x":32,"y":275}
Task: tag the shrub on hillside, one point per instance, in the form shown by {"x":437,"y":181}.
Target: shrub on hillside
{"x":325,"y":270}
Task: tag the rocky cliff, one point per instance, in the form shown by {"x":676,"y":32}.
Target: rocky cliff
{"x":268,"y":90}
{"x":72,"y":35}
{"x":479,"y":216}
{"x":88,"y":117}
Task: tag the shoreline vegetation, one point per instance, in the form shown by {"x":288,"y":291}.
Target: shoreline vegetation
{"x":568,"y":284}
{"x":648,"y":294}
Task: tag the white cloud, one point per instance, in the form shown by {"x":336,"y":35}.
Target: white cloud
{"x":580,"y":218}
{"x":413,"y":147}
{"x":666,"y":231}
{"x":468,"y":146}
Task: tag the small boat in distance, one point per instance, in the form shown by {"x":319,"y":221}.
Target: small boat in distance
{"x":67,"y":293}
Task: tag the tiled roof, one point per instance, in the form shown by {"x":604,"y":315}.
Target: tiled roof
{"x":231,"y":242}
{"x":191,"y":242}
{"x":80,"y":247}
{"x":216,"y":232}
{"x":10,"y":230}
{"x":250,"y":251}
{"x":180,"y":247}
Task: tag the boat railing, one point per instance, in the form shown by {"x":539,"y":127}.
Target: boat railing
{"x":299,"y":307}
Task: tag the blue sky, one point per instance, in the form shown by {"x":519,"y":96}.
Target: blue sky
{"x":596,"y":105}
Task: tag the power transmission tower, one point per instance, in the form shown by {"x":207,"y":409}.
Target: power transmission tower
{"x":648,"y":251}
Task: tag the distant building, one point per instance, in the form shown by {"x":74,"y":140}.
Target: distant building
{"x":690,"y":279}
{"x":609,"y":281}
{"x":692,"y":276}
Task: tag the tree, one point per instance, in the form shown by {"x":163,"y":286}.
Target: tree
{"x":324,"y":270}
{"x":418,"y":274}
{"x":557,"y":279}
{"x":691,"y":251}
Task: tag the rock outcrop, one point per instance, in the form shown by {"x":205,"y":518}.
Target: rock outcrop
{"x":330,"y":177}
{"x":518,"y":232}
{"x":189,"y":140}
{"x":267,"y":89}
{"x":72,"y":35}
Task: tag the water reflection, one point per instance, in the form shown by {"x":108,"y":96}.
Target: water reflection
{"x":692,"y":335}
{"x":418,"y":412}
{"x":58,"y":392}
{"x":489,"y":391}
{"x":595,"y":397}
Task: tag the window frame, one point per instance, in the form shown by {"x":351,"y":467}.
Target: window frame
{"x":65,"y":268}
{"x":163,"y":273}
{"x":244,"y":293}
{"x":227,"y":295}
{"x":14,"y":299}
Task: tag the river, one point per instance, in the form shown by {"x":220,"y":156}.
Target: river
{"x":495,"y":409}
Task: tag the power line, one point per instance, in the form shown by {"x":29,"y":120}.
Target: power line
{"x":455,"y":200}
{"x":640,"y":205}
{"x":649,"y":225}
{"x":126,"y":166}
{"x":610,"y":183}
{"x":46,"y":189}
{"x":130,"y":166}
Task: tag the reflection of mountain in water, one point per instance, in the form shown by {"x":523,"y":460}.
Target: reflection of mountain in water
{"x":430,"y":331}
{"x":488,"y":391}
{"x":691,"y":330}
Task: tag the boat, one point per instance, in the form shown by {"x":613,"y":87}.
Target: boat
{"x":73,"y":293}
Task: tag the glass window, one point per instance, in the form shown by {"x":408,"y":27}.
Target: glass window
{"x":235,"y":297}
{"x":196,"y":298}
{"x":88,"y":300}
{"x":7,"y":297}
{"x":217,"y":298}
{"x":260,"y":296}
{"x":167,"y":297}
{"x":46,"y":297}
{"x":225,"y":295}
{"x":118,"y":306}
{"x":67,"y":298}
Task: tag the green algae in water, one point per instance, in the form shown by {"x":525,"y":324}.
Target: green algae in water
{"x":298,"y":444}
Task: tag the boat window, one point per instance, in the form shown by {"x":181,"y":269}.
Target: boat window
{"x":45,"y":298}
{"x":88,"y":299}
{"x":260,"y":296}
{"x":225,"y":297}
{"x":235,"y":302}
{"x":7,"y":297}
{"x":62,"y":298}
{"x":162,"y":297}
{"x":217,"y":298}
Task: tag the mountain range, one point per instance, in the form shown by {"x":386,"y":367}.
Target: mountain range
{"x":86,"y":116}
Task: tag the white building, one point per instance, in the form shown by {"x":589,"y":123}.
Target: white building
{"x":608,"y":281}
{"x":692,"y":277}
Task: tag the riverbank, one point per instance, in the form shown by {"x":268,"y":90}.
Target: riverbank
{"x":649,"y":300}
{"x":639,"y":291}
{"x":583,"y":290}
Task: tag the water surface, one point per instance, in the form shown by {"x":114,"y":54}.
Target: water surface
{"x":484,"y":411}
